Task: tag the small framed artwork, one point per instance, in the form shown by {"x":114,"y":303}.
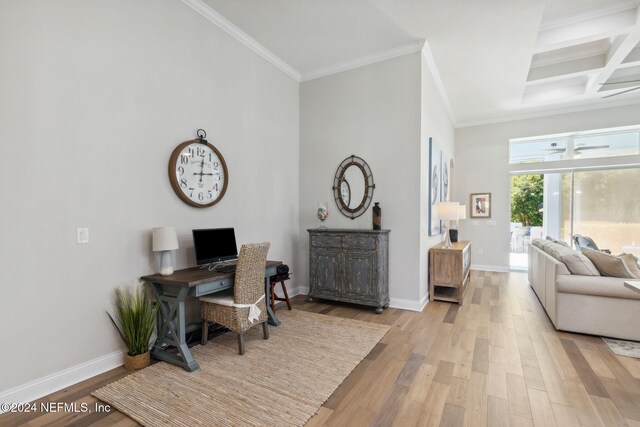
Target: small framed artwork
{"x":480,"y":205}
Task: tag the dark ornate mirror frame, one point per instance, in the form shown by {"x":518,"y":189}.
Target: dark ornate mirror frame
{"x":369,"y":186}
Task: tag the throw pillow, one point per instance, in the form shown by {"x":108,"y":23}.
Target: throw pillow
{"x":631,"y":263}
{"x":577,"y":263}
{"x":608,"y":265}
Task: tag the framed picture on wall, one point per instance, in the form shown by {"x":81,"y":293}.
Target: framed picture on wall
{"x":480,"y":205}
{"x":435,"y":181}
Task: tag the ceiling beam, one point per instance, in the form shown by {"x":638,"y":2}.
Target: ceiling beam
{"x":587,"y":31}
{"x":621,"y":48}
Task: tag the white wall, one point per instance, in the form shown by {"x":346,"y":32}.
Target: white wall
{"x":482,"y":165}
{"x":374,"y":113}
{"x":436,"y":124}
{"x":94,"y":96}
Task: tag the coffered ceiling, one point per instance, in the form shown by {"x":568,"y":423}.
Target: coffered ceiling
{"x":495,"y":60}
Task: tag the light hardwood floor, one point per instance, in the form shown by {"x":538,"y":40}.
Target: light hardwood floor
{"x":495,"y":361}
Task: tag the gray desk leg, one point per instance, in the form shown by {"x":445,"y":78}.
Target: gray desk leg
{"x":171,"y":330}
{"x":273,"y":320}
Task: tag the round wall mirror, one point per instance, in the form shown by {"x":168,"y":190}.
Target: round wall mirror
{"x":353,"y":187}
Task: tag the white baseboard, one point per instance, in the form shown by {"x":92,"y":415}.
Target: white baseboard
{"x":495,"y":268}
{"x":51,"y":383}
{"x":409,"y":304}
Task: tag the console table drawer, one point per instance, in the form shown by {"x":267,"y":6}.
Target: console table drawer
{"x":326,"y":241}
{"x":207,"y":288}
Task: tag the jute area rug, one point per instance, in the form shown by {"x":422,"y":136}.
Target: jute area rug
{"x":281,"y":381}
{"x":623,"y":348}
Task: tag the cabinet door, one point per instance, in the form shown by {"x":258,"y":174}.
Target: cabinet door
{"x":360,"y":281}
{"x":326,"y":271}
{"x":443,"y":268}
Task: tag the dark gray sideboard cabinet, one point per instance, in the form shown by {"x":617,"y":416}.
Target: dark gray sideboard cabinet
{"x":350,"y":266}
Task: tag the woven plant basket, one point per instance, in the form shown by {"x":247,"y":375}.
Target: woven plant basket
{"x":139,"y":361}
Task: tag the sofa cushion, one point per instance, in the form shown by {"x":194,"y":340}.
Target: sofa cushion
{"x":577,"y":263}
{"x":609,"y":265}
{"x":611,"y":287}
{"x":632,"y":264}
{"x":556,"y":249}
{"x":538,"y":243}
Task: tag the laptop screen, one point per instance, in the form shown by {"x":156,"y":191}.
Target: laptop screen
{"x":214,"y":244}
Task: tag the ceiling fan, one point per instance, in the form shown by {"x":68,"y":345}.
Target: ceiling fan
{"x":577,"y":149}
{"x":624,"y":91}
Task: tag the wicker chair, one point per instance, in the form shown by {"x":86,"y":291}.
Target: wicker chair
{"x":234,"y":311}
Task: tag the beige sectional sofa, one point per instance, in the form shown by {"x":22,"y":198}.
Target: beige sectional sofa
{"x":587,"y":302}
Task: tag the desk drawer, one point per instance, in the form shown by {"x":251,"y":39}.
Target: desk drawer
{"x":218,"y":285}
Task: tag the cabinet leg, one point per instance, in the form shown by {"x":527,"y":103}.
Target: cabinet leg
{"x":386,"y":305}
{"x":310,"y":299}
{"x":378,"y":310}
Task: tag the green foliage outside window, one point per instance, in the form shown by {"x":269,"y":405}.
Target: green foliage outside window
{"x":526,"y":198}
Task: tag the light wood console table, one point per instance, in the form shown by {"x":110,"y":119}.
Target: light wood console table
{"x":449,"y":271}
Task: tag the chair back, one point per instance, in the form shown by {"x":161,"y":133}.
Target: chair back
{"x":584,"y":242}
{"x":249,"y":282}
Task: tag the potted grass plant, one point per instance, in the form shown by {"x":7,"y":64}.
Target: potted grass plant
{"x":134,"y":320}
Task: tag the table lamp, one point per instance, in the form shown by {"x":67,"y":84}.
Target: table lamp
{"x":165,"y":240}
{"x":462,"y":214}
{"x":448,"y":211}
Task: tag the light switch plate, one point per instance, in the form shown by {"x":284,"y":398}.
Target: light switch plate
{"x":82,"y":235}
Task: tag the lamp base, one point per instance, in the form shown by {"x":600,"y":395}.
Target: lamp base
{"x":166,"y":263}
{"x":453,"y":235}
{"x":447,"y":239}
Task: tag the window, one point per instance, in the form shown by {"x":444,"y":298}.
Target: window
{"x":576,"y":146}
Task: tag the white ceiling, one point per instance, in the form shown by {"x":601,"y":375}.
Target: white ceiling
{"x":496,"y":59}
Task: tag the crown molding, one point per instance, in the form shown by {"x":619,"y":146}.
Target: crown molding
{"x":235,"y":32}
{"x":551,"y":112}
{"x":362,"y":61}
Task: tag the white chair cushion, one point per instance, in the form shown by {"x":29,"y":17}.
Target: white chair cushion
{"x":227,"y":299}
{"x":223,"y":299}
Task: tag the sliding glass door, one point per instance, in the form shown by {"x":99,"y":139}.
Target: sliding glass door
{"x":606,"y":208}
{"x":603,"y":205}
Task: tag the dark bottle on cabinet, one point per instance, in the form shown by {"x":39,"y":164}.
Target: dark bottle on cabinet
{"x":377,"y":217}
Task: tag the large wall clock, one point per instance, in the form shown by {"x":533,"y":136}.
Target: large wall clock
{"x":198,"y":172}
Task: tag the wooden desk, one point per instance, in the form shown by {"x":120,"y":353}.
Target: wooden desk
{"x":174,"y":290}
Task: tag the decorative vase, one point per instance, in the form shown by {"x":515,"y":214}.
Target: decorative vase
{"x":323,"y":213}
{"x":377,"y":216}
{"x":138,"y":361}
{"x":453,"y":235}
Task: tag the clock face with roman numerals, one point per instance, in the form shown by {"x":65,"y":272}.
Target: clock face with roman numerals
{"x":198,"y":173}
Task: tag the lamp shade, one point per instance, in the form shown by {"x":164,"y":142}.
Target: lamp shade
{"x":462,"y":212}
{"x":164,"y":239}
{"x":448,"y":211}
